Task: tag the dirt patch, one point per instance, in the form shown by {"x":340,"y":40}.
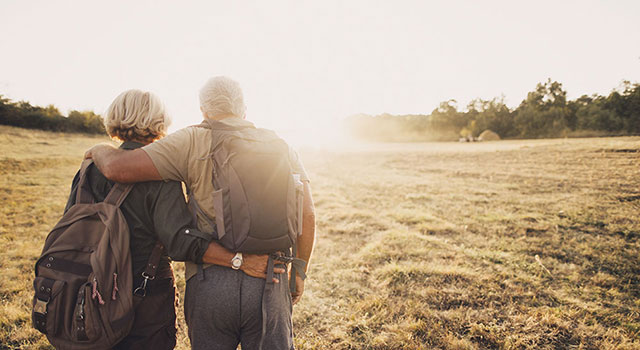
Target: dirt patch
{"x":628,"y":198}
{"x":622,"y":150}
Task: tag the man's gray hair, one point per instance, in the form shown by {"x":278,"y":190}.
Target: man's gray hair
{"x":222,"y":95}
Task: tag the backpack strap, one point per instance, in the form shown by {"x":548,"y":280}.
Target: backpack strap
{"x":118,"y":193}
{"x":297,"y":267}
{"x":149,"y":273}
{"x":83,"y":192}
{"x":266,"y":293}
{"x":154,"y":261}
{"x":296,"y":264}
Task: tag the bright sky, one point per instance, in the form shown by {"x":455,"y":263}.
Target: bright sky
{"x":305,"y":64}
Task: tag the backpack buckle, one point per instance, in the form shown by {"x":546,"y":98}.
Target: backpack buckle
{"x":41,"y":306}
{"x":282,"y":258}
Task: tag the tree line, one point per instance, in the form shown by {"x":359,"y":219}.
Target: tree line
{"x":24,"y":115}
{"x":545,"y":112}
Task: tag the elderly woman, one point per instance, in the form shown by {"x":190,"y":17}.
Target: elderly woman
{"x":155,"y":211}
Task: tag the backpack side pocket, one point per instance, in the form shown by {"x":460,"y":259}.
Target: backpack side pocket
{"x":86,"y":324}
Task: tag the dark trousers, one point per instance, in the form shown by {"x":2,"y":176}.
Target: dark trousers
{"x":154,"y":326}
{"x":223,"y":307}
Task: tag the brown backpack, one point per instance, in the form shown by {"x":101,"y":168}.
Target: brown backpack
{"x":83,"y":285}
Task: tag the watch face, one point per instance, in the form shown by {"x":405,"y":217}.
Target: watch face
{"x":236,"y":262}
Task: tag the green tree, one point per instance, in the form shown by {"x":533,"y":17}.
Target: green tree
{"x":594,"y":116}
{"x":490,"y":114}
{"x":23,"y":114}
{"x":544,"y":113}
{"x":447,"y":117}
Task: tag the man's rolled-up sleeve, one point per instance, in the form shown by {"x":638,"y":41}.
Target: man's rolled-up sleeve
{"x":173,"y":222}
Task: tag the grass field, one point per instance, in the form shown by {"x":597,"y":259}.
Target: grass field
{"x":498,"y":245}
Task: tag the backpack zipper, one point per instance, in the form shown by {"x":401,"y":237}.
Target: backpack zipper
{"x":95,"y":292}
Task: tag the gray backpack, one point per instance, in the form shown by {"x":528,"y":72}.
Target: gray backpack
{"x":258,"y":198}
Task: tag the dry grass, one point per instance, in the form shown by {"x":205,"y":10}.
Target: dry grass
{"x":501,"y":245}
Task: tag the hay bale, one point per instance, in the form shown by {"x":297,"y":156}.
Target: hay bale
{"x":488,"y":135}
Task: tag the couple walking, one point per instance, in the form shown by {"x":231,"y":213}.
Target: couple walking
{"x":231,"y":298}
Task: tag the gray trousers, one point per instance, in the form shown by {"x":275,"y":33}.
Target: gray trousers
{"x":223,"y":308}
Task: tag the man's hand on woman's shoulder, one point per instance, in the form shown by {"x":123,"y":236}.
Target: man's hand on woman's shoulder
{"x":123,"y":166}
{"x":97,"y":150}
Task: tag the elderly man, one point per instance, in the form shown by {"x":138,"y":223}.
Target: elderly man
{"x":223,"y":306}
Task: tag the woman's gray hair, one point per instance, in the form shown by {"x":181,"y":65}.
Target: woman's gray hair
{"x":136,"y":116}
{"x":222,"y":95}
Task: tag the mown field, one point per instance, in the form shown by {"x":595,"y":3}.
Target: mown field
{"x":499,"y":245}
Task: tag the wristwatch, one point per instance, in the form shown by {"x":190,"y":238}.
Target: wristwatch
{"x":236,"y":262}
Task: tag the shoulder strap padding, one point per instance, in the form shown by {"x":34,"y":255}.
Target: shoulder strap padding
{"x":83,"y":192}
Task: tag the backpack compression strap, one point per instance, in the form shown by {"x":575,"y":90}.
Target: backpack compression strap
{"x":297,"y":267}
{"x":43,"y":295}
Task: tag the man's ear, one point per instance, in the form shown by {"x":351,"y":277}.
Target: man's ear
{"x":204,"y":115}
